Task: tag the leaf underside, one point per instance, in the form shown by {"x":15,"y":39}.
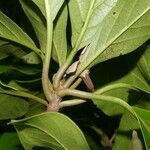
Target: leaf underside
{"x":45,"y":130}
{"x":114,"y":28}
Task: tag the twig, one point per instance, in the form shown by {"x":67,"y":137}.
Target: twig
{"x":73,"y":102}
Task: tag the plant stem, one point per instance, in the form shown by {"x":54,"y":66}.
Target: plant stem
{"x":25,"y":95}
{"x":47,"y":86}
{"x":62,"y":70}
{"x":87,"y":95}
{"x":76,"y":83}
{"x":115,"y":86}
{"x":75,"y":49}
{"x":72,"y":102}
{"x":70,"y":81}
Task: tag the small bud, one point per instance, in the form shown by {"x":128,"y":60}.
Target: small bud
{"x":87,"y":80}
{"x":72,"y":69}
{"x":83,"y":52}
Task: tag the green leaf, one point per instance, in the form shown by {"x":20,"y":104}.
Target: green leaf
{"x":144,"y":64}
{"x":35,"y":108}
{"x":122,"y":89}
{"x":37,"y":20}
{"x":114,"y":28}
{"x":41,"y":5}
{"x":122,"y":141}
{"x":7,"y":49}
{"x":5,"y":69}
{"x":3,"y":42}
{"x":11,"y":49}
{"x":29,"y":81}
{"x":27,"y":70}
{"x":54,"y":6}
{"x":59,"y":51}
{"x":59,"y":37}
{"x":125,"y":88}
{"x":7,"y":86}
{"x":51,"y":130}
{"x":31,"y":58}
{"x":11,"y":31}
{"x":86,"y":13}
{"x":124,"y":75}
{"x":12,"y":107}
{"x":119,"y":92}
{"x":143,"y":102}
{"x":3,"y":55}
{"x":133,"y":79}
{"x":144,"y":120}
{"x":136,"y":79}
{"x":9,"y":141}
{"x":128,"y":123}
{"x":12,"y":85}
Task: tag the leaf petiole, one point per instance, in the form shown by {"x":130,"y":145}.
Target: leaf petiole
{"x":72,"y":102}
{"x":115,"y":86}
{"x":64,"y":67}
{"x":87,"y":95}
{"x":76,"y":83}
{"x":25,"y":95}
{"x":47,"y":86}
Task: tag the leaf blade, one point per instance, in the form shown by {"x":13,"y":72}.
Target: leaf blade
{"x":37,"y":20}
{"x":59,"y":17}
{"x":11,"y":31}
{"x":49,"y":123}
{"x":112,"y":29}
{"x":144,"y":121}
{"x":12,"y":107}
{"x":60,"y":38}
{"x":11,"y":138}
{"x":54,"y":4}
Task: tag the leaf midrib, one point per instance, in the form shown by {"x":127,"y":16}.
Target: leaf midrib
{"x":11,"y":31}
{"x":89,"y":14}
{"x":29,"y":43}
{"x":46,"y":142}
{"x":52,"y":136}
